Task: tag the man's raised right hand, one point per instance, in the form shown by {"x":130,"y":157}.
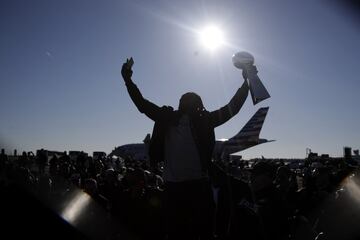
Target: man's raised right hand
{"x":126,"y":71}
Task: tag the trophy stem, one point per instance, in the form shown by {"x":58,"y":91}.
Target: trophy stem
{"x":257,"y":88}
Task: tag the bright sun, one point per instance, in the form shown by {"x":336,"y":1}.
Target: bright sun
{"x":211,"y":37}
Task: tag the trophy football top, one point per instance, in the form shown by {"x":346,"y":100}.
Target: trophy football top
{"x":241,"y":59}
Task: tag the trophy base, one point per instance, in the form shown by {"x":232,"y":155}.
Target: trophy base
{"x":257,"y":90}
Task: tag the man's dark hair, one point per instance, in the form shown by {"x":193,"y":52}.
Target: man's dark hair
{"x":190,"y":103}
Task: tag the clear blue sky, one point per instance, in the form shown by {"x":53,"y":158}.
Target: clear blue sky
{"x":61,"y":87}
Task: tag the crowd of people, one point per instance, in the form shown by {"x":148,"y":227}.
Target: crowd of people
{"x":267,"y":200}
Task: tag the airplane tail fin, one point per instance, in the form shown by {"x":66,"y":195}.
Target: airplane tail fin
{"x":252,"y":128}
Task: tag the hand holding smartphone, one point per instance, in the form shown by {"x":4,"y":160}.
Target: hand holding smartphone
{"x":129,"y":63}
{"x":126,"y":71}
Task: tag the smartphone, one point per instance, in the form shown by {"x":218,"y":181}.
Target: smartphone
{"x":130,"y":63}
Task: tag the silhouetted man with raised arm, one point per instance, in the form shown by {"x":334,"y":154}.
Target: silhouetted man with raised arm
{"x":184,"y":139}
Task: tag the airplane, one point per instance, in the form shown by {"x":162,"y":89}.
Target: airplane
{"x":137,"y":151}
{"x":247,"y":137}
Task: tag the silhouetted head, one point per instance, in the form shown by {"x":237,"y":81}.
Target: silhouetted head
{"x":190,"y":103}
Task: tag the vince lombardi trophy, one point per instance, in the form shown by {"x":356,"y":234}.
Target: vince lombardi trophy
{"x":245,"y":61}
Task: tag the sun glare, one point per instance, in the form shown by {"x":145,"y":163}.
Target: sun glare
{"x":211,"y":37}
